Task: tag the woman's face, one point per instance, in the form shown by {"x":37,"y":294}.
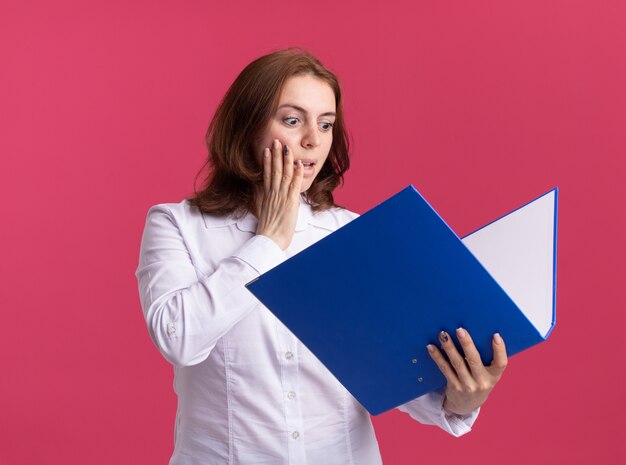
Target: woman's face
{"x":304,"y":122}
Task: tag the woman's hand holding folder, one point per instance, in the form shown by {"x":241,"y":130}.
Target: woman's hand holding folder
{"x":469,"y":381}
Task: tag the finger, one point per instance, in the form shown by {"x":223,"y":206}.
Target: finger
{"x":267,"y":169}
{"x":296,"y":182}
{"x":472,"y":356}
{"x":500,"y":359}
{"x":277,"y":166}
{"x":444,"y":365}
{"x":456,"y":359}
{"x":288,"y":169}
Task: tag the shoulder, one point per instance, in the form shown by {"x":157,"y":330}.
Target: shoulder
{"x":333,"y":218}
{"x":177,"y":212}
{"x":184,"y":214}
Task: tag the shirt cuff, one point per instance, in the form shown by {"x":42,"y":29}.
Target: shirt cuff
{"x":261,"y":253}
{"x":428,"y":409}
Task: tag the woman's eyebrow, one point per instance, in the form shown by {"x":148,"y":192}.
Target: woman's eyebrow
{"x":296,"y":107}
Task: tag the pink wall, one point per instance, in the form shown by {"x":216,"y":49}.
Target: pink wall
{"x":482,"y":105}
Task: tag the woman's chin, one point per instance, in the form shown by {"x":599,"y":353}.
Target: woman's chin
{"x":306,"y":184}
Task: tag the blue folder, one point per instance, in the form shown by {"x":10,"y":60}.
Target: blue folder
{"x":389,"y":281}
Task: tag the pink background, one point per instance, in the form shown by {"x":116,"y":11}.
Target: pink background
{"x":482,"y":105}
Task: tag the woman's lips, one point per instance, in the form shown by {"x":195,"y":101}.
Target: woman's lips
{"x":309,"y":167}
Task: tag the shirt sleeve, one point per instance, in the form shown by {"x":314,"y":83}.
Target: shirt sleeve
{"x":428,"y":409}
{"x":185,"y":315}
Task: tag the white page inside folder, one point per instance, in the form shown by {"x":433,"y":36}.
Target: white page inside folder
{"x":519,"y":252}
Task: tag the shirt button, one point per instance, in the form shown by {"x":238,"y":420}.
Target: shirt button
{"x":171,"y":329}
{"x":295,"y":435}
{"x":291,"y":395}
{"x":288,"y":355}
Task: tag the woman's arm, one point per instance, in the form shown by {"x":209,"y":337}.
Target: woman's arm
{"x":186,"y":316}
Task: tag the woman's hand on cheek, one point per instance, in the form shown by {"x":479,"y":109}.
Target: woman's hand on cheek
{"x":282,"y":181}
{"x":469,"y":381}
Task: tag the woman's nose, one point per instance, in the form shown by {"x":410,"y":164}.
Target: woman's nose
{"x":311,"y":137}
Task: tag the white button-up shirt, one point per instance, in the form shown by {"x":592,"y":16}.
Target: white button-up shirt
{"x":248,"y":391}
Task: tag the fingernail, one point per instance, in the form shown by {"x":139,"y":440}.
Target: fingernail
{"x":443,"y":336}
{"x":266,"y":152}
{"x":275,"y":143}
{"x":460,"y":333}
{"x":285,"y":150}
{"x":430,"y":348}
{"x":497,"y":338}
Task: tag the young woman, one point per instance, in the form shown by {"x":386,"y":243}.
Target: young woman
{"x":248,"y":391}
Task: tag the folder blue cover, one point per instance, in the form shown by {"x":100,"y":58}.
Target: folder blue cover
{"x":390,"y":280}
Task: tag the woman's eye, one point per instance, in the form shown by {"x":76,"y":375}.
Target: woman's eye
{"x":293,"y":121}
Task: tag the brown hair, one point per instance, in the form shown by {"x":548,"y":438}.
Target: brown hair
{"x":238,"y":125}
